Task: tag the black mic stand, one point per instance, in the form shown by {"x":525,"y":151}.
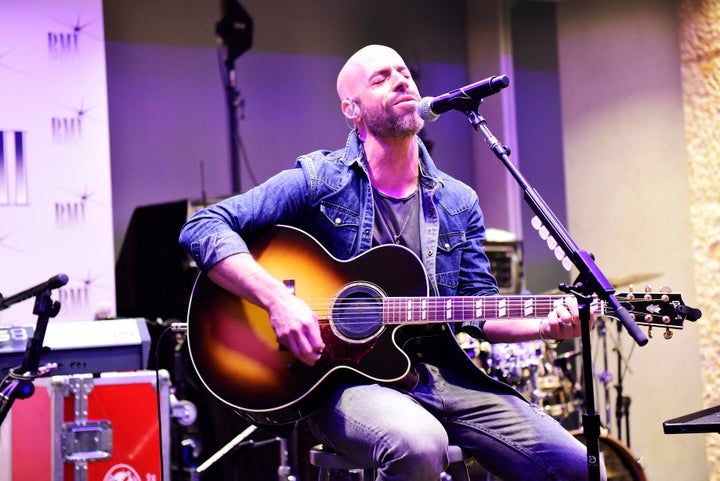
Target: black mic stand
{"x":589,"y":281}
{"x":18,"y":383}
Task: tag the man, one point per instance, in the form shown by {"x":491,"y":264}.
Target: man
{"x":384,"y":188}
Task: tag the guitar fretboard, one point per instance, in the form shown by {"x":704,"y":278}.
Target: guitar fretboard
{"x":410,"y":310}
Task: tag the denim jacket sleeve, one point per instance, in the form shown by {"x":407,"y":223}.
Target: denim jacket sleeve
{"x":221,"y":230}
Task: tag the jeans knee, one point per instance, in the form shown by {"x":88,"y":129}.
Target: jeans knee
{"x":418,"y":456}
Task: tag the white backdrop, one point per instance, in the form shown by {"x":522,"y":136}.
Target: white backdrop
{"x":55,"y":197}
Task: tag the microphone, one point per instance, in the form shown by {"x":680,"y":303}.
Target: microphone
{"x":52,"y":283}
{"x":463,"y":99}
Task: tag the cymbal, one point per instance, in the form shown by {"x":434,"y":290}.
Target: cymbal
{"x":620,"y":281}
{"x":633,"y":279}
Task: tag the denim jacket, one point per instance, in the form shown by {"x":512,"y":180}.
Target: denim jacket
{"x":328,"y":195}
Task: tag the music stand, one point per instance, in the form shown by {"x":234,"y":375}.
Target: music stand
{"x":703,"y":421}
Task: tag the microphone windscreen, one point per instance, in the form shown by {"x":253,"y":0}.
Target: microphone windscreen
{"x":425,"y":110}
{"x":57,"y":281}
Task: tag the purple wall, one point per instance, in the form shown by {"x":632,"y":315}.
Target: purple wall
{"x":168,"y":113}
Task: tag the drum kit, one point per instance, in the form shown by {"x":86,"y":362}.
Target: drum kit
{"x":547,"y":377}
{"x":541,"y":374}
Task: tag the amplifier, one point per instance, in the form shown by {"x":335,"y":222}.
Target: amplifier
{"x":82,"y":347}
{"x":506,"y":265}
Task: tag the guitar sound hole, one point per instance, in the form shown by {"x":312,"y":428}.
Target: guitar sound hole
{"x":357,"y":312}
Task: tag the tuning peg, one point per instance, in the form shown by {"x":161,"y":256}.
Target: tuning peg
{"x":648,"y":288}
{"x":650,"y":333}
{"x":668,"y":333}
{"x":666,"y":289}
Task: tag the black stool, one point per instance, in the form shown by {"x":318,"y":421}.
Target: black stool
{"x":326,"y":460}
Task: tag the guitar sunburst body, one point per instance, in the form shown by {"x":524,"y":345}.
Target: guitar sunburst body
{"x":236,"y":353}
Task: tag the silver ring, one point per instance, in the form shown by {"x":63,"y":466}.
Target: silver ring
{"x":567,"y":324}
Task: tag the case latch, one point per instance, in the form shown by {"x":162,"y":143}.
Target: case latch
{"x":82,"y":440}
{"x":86,"y":441}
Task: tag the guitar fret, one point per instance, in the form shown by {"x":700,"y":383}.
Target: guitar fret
{"x":528,"y":308}
{"x":434,"y":310}
{"x":389,"y":310}
{"x":490,"y":307}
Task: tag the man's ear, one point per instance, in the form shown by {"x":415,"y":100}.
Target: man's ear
{"x":349,"y":109}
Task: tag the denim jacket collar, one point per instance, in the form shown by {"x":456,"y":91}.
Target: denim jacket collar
{"x":355,"y":153}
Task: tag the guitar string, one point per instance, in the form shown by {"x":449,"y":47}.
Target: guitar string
{"x":319,"y":306}
{"x":398,"y":303}
{"x":491,"y":301}
{"x":439,"y":303}
{"x":360,"y":306}
{"x":320,"y":310}
{"x":323,"y":321}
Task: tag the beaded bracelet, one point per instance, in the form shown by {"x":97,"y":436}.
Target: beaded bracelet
{"x":552,"y":343}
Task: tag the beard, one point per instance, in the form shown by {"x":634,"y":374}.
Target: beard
{"x":390,"y":124}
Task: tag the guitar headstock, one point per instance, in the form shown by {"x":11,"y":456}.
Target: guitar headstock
{"x":662,"y":309}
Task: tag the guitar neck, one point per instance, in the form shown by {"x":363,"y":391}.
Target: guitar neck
{"x":428,"y":310}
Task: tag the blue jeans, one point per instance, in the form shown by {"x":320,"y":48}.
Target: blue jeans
{"x":405,"y":434}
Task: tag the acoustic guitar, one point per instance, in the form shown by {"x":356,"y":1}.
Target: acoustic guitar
{"x":368,"y":307}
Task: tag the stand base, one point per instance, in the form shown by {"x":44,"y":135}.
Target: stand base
{"x":620,"y":462}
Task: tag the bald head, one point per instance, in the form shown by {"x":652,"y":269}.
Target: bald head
{"x":354,"y":74}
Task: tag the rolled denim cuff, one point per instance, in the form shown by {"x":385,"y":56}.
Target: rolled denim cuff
{"x":475,"y":329}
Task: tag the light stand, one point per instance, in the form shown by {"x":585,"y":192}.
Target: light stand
{"x":235,"y":29}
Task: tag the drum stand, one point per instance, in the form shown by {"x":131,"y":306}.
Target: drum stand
{"x":604,"y":377}
{"x":622,"y":402}
{"x":590,"y":281}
